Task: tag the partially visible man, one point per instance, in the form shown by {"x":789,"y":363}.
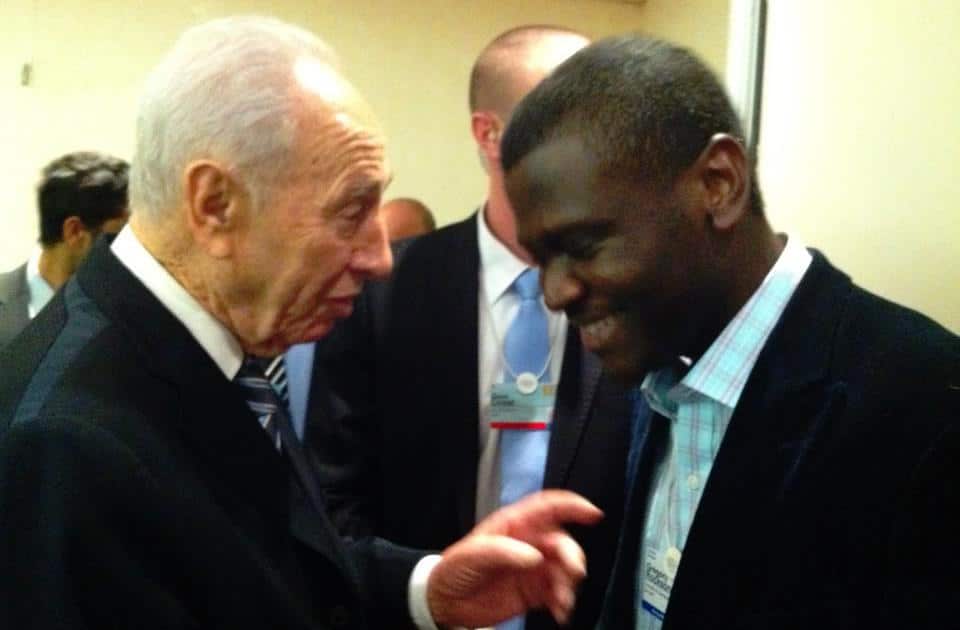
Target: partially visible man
{"x":149,"y":473}
{"x":80,"y":195}
{"x":799,"y":469}
{"x":416,"y":408}
{"x":405,"y":218}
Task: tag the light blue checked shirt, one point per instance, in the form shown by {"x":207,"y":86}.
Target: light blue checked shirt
{"x":699,"y":408}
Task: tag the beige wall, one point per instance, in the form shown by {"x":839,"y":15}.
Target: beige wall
{"x":860,"y":141}
{"x":410,"y":57}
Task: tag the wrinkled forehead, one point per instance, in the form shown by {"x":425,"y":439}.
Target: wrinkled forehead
{"x":336,"y":127}
{"x":321,"y":87}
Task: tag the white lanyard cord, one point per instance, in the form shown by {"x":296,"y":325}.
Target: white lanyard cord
{"x":496,"y":338}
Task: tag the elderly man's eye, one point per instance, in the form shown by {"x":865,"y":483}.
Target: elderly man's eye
{"x":355,"y":210}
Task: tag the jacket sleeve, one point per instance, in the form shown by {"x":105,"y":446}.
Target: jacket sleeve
{"x":74,"y":546}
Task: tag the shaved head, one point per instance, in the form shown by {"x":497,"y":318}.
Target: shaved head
{"x":513,"y":63}
{"x":405,"y":218}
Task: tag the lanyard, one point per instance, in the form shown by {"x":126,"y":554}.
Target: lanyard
{"x":499,"y":342}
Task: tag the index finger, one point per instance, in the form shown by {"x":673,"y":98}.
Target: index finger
{"x":544,"y":510}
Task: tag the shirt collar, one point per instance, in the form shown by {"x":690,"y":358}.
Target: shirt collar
{"x":722,"y":372}
{"x":499,"y":266}
{"x":40,"y":291}
{"x":209,"y":332}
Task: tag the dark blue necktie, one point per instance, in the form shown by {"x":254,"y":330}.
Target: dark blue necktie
{"x":264,"y":382}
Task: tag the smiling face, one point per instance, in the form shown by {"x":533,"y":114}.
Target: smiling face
{"x":625,"y":262}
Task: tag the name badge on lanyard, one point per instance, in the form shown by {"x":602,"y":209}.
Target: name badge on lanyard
{"x":658,"y":575}
{"x":519,"y":406}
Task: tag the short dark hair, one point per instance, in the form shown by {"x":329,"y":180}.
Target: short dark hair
{"x":91,"y":186}
{"x":640,"y":104}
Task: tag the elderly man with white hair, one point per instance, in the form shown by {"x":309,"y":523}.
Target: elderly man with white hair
{"x":149,"y":474}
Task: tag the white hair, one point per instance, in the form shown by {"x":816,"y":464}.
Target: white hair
{"x":223,"y":92}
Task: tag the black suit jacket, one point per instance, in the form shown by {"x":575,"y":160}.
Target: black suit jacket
{"x":14,"y":303}
{"x":833,"y":501}
{"x":138,"y":491}
{"x":395,"y":403}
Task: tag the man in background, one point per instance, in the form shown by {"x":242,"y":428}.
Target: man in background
{"x":405,"y":218}
{"x":80,"y":196}
{"x":414,"y":400}
{"x":149,"y":473}
{"x":799,"y":468}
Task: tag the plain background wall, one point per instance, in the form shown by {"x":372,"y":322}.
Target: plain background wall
{"x":411,"y":58}
{"x":860,"y":140}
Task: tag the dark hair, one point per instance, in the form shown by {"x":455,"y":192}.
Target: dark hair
{"x":91,"y":186}
{"x":639,"y":104}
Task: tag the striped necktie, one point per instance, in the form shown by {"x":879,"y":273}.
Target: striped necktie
{"x":264,"y":383}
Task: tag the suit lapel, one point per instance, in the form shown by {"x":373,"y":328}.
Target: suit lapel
{"x":647,"y":444}
{"x":436,"y":284}
{"x":463,"y":320}
{"x":784,"y":412}
{"x":314,"y":529}
{"x":579,"y":376}
{"x":207,"y":418}
{"x":223,"y":438}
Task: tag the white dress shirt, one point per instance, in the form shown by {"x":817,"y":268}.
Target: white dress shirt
{"x":40,"y":291}
{"x":225,"y":350}
{"x":498,"y":305}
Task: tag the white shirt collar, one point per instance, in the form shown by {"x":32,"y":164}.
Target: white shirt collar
{"x":499,"y":266}
{"x":40,"y":291}
{"x":210,"y":333}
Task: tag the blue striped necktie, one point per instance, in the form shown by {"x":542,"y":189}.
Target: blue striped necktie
{"x":264,"y":383}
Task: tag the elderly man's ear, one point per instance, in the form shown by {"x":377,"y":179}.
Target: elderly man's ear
{"x":725,"y":180}
{"x":216,"y":207}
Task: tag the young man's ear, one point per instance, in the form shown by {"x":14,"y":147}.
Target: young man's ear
{"x":487,"y":127}
{"x":725,"y":177}
{"x":215,"y":206}
{"x":74,"y":233}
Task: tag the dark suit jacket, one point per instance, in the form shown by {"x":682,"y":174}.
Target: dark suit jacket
{"x":14,"y":303}
{"x":138,"y":491}
{"x":394,"y":413}
{"x":833,"y":501}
